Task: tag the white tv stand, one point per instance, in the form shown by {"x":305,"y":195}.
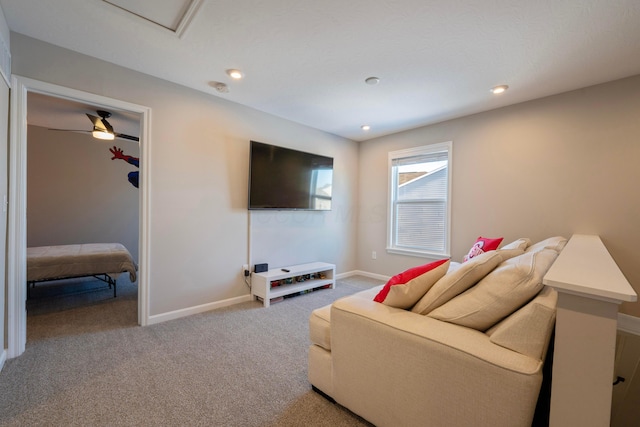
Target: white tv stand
{"x":278,"y":283}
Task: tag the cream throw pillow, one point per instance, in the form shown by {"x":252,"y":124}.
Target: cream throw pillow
{"x":405,"y":295}
{"x":457,"y":281}
{"x":521,"y":243}
{"x":507,"y":288}
{"x":556,"y":243}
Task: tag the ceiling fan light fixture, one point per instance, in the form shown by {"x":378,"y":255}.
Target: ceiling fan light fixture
{"x":100,"y":134}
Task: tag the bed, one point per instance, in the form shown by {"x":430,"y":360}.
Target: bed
{"x":104,"y":261}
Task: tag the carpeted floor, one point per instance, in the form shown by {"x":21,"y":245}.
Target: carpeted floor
{"x":87,"y":363}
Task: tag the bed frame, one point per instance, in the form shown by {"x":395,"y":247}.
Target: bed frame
{"x":104,"y":261}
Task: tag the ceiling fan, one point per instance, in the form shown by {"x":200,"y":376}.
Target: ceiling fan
{"x":102,"y":129}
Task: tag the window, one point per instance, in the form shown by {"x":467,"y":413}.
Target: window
{"x":321,"y":189}
{"x":419,"y":205}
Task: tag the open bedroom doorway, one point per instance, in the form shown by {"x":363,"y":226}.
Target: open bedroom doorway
{"x":84,"y":158}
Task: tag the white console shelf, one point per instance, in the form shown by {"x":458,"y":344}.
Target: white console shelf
{"x":278,"y":282}
{"x":590,"y":288}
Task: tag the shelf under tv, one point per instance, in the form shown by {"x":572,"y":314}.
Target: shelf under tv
{"x":277,"y":283}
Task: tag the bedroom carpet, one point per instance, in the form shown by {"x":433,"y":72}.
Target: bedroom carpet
{"x":87,"y":363}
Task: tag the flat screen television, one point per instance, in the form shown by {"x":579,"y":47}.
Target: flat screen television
{"x":285,"y":179}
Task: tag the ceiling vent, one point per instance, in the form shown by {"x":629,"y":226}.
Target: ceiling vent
{"x":172,"y":15}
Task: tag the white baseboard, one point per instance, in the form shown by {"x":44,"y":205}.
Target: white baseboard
{"x":362,"y":273}
{"x":159,"y":318}
{"x":629,"y":324}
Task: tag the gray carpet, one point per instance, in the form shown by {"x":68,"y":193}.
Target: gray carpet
{"x":87,"y":363}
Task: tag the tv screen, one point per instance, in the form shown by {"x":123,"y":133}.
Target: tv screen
{"x":285,"y":179}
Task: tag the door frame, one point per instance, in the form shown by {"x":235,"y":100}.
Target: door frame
{"x":16,"y":262}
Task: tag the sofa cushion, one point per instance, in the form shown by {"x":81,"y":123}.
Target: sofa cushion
{"x":521,"y":243}
{"x":556,"y":243}
{"x":405,"y":295}
{"x":320,"y":319}
{"x":457,"y":281}
{"x":482,"y":245}
{"x":527,"y":331}
{"x":320,"y":327}
{"x":499,"y":293}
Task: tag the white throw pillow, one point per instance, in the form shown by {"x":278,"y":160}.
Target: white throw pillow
{"x":556,"y":243}
{"x":457,"y":281}
{"x":521,"y":243}
{"x":505,"y":289}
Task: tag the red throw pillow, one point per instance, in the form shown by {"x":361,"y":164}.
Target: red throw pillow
{"x":407,"y":276}
{"x":482,"y":245}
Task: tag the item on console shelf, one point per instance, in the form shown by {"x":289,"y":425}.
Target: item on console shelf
{"x":261,"y":268}
{"x":275,"y":283}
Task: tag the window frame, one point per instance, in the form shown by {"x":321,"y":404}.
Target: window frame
{"x":391,"y":200}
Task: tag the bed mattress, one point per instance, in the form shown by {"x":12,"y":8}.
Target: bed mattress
{"x":59,"y":262}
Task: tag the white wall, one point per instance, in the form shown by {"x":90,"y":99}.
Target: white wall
{"x":555,"y":166}
{"x":199,"y":223}
{"x":76,"y":193}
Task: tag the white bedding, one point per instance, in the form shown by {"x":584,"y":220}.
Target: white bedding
{"x":63,"y":261}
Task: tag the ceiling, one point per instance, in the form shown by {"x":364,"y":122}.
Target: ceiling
{"x":307,"y":60}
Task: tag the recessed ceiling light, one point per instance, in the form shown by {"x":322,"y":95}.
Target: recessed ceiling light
{"x":372,"y":80}
{"x":499,"y":89}
{"x":365,"y":127}
{"x":235,"y":74}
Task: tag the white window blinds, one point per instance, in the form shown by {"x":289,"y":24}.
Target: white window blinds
{"x":419,"y":202}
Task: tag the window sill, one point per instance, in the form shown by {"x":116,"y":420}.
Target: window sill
{"x":416,"y":253}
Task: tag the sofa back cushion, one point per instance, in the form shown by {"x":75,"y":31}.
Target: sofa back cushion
{"x":499,"y":293}
{"x":527,"y":331}
{"x":462,"y":278}
{"x":521,"y":243}
{"x":556,"y":243}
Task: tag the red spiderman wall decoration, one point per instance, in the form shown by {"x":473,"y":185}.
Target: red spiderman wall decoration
{"x":118,"y":154}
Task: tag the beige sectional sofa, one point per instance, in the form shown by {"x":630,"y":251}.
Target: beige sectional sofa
{"x":470,"y":352}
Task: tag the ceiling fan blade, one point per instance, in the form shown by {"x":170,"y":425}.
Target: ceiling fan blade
{"x":97,"y":121}
{"x":71,"y":130}
{"x":101,"y":124}
{"x":107,"y":125}
{"x":129,"y":137}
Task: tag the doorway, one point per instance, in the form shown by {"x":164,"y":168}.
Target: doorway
{"x":16,"y":239}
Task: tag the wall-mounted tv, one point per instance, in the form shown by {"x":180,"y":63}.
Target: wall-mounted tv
{"x":285,"y":179}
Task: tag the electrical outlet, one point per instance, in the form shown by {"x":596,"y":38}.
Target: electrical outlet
{"x":245,"y":269}
{"x":374,"y":255}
